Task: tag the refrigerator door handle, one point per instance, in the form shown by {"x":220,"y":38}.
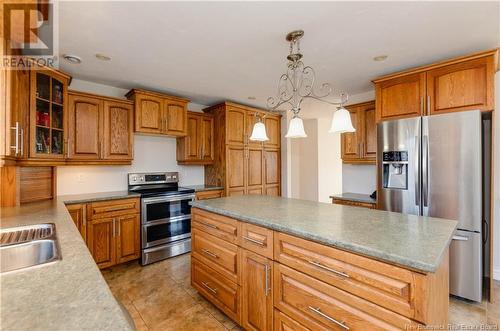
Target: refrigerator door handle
{"x":425,"y":170}
{"x":460,"y":238}
{"x":417,"y":170}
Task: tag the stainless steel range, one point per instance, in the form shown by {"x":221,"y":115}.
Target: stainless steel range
{"x":165,"y":215}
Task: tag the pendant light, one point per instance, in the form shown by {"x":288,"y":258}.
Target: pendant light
{"x":297,"y":84}
{"x":259,"y":131}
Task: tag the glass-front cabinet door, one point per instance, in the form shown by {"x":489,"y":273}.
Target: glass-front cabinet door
{"x":48,"y":114}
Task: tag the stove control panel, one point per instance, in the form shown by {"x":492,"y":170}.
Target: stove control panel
{"x":153,"y":178}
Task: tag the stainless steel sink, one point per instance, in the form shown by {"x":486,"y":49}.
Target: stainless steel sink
{"x":28,"y":246}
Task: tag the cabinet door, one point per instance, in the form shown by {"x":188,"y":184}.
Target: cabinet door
{"x":255,"y":166}
{"x":101,"y":241}
{"x":235,"y":126}
{"x":206,"y":139}
{"x":128,"y":238}
{"x":273,"y":128}
{"x":272,"y":172}
{"x":191,"y":143}
{"x":85,"y":127}
{"x":118,"y":131}
{"x":351,"y":141}
{"x":175,"y":116}
{"x":148,"y":114}
{"x":78,"y":214}
{"x":236,"y":169}
{"x":400,"y":97}
{"x":463,"y":86}
{"x":257,"y":293}
{"x":369,"y":147}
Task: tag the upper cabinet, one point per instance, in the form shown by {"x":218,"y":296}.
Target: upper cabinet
{"x":460,"y":84}
{"x":100,"y":129}
{"x":48,"y":114}
{"x":197,"y":147}
{"x":160,"y":114}
{"x":360,"y":146}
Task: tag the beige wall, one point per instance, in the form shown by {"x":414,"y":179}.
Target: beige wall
{"x":496,"y":180}
{"x":150,"y":154}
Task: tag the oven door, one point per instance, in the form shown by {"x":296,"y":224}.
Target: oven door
{"x":161,"y":232}
{"x":169,"y":208}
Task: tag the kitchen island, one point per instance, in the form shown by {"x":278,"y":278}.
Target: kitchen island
{"x":287,"y":263}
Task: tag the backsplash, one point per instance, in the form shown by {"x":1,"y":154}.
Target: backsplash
{"x":359,"y":178}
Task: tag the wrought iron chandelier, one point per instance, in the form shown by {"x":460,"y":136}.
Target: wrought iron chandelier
{"x":296,"y":85}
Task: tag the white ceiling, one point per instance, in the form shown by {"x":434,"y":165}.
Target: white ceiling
{"x":212,"y":51}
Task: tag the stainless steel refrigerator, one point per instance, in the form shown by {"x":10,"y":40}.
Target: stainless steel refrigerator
{"x":432,"y":166}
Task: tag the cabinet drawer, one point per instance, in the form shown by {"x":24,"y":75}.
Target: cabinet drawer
{"x":212,"y":194}
{"x":217,"y":289}
{"x":113,"y":208}
{"x":285,"y":323}
{"x":256,"y":239}
{"x":218,"y":254}
{"x":384,"y":284}
{"x":354,"y":203}
{"x":217,"y":225}
{"x":320,"y":306}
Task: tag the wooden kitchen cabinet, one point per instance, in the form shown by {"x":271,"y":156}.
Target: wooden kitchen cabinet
{"x":360,"y":147}
{"x":243,"y":166}
{"x":257,"y":291}
{"x":159,"y":114}
{"x":209,"y":194}
{"x":197,"y":147}
{"x":100,"y":129}
{"x":460,"y":84}
{"x":78,"y":213}
{"x":113,"y":231}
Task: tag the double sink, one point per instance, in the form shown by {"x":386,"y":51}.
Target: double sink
{"x":28,"y":246}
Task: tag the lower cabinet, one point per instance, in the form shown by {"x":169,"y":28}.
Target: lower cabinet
{"x":354,"y":203}
{"x":257,"y":292}
{"x":111,"y":230}
{"x":210,"y":194}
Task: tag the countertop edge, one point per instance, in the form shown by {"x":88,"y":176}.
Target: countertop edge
{"x":355,"y":199}
{"x":371,"y":253}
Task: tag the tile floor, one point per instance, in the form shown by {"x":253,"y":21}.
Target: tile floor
{"x":159,"y":297}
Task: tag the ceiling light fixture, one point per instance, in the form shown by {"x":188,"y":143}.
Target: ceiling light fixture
{"x":72,"y":58}
{"x":259,"y":130}
{"x":102,"y":57}
{"x":296,"y":85}
{"x":380,"y":58}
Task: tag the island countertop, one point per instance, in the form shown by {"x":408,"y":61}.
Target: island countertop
{"x":70,"y":294}
{"x":415,"y":242}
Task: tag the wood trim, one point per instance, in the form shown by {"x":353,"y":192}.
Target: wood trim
{"x":36,"y":66}
{"x":155,"y":94}
{"x":9,"y":186}
{"x":226,"y":104}
{"x":102,"y":97}
{"x":37,"y":184}
{"x":491,"y":52}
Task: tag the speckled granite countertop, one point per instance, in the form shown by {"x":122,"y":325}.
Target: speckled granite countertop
{"x":411,"y":241}
{"x":101,"y":196}
{"x":354,"y":197}
{"x":70,"y":294}
{"x":201,"y":188}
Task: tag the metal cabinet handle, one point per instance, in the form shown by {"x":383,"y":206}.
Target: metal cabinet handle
{"x":421,"y":105}
{"x":460,"y":238}
{"x":213,"y":290}
{"x":21,"y":147}
{"x":260,"y":243}
{"x":210,"y":225}
{"x":114,"y":227}
{"x":206,"y":251}
{"x":428,"y":104}
{"x":266,"y":291}
{"x":329,"y":269}
{"x":331,"y":319}
{"x":118,"y":226}
{"x":16,"y":146}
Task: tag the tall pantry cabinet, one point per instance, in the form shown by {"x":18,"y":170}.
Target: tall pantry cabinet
{"x":243,"y":166}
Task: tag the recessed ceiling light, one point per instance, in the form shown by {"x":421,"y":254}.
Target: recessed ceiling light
{"x":380,"y":58}
{"x":72,"y":58}
{"x":102,"y":57}
{"x":252,"y":98}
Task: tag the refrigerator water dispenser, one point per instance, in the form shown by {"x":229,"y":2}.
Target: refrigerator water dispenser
{"x":395,"y":170}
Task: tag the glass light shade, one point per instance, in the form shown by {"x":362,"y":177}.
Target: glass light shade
{"x":259,"y":132}
{"x":296,"y":128}
{"x":341,"y":121}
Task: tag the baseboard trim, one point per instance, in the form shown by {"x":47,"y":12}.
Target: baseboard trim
{"x":496,"y":274}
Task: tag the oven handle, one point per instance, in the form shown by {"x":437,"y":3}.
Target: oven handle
{"x":166,"y":221}
{"x":170,"y":198}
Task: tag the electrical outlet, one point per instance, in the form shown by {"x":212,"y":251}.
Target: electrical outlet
{"x":79,"y":178}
